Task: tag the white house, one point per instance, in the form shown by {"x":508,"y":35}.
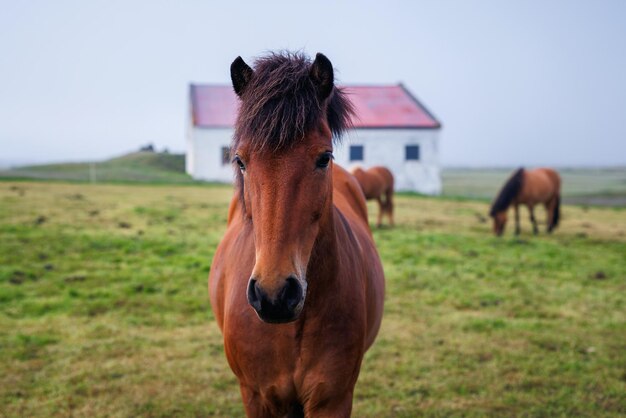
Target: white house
{"x":392,"y":128}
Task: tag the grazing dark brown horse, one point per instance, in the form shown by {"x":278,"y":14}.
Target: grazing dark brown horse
{"x":377,"y":182}
{"x":528,"y":187}
{"x":296,"y":284}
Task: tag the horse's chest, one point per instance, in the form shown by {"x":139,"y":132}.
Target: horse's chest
{"x":277,"y":356}
{"x":257,"y":350}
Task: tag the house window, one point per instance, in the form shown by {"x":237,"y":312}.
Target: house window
{"x":356,"y":152}
{"x":225,"y":155}
{"x":412,"y":152}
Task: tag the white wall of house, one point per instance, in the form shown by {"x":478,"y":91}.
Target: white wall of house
{"x":190,"y":142}
{"x":387,"y":147}
{"x":204,"y":154}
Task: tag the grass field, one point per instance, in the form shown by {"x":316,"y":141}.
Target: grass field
{"x":104,"y":309}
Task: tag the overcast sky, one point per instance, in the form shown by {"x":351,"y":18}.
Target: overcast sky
{"x":513,"y":82}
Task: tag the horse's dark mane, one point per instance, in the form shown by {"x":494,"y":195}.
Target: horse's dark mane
{"x":510,"y":190}
{"x":280,"y":104}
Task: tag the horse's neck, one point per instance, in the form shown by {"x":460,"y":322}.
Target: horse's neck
{"x":324,"y":256}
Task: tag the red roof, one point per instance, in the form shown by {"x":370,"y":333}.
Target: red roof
{"x":215,"y":106}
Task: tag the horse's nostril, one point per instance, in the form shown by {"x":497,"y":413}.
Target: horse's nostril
{"x":254,"y":295}
{"x":292,"y":293}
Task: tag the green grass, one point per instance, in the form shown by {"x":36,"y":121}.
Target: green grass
{"x":598,"y":186}
{"x":137,"y":167}
{"x":104,"y":309}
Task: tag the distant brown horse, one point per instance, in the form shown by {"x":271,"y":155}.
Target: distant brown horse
{"x":377,"y":182}
{"x":528,"y":187}
{"x":296,"y":284}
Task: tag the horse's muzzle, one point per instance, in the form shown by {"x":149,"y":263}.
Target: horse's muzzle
{"x":285,"y":307}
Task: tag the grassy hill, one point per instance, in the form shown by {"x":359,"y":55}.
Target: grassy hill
{"x":104,"y":309}
{"x":137,"y":167}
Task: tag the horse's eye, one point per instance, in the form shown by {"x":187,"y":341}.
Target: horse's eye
{"x":240,"y":163}
{"x":324,"y":159}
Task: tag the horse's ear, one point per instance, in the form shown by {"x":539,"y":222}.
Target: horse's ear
{"x":240,"y":74}
{"x":322,"y":76}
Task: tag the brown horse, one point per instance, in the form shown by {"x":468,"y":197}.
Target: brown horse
{"x":377,"y":182}
{"x":528,"y":187}
{"x":296,"y":284}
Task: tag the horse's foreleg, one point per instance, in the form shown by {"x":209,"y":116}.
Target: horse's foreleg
{"x":253,"y":403}
{"x":338,"y":407}
{"x":517,"y":228}
{"x":531,"y":209}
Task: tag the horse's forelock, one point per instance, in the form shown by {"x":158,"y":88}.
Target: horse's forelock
{"x":280,"y":105}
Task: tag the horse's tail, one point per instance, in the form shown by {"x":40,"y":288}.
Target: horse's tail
{"x":556,"y":213}
{"x":556,"y":216}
